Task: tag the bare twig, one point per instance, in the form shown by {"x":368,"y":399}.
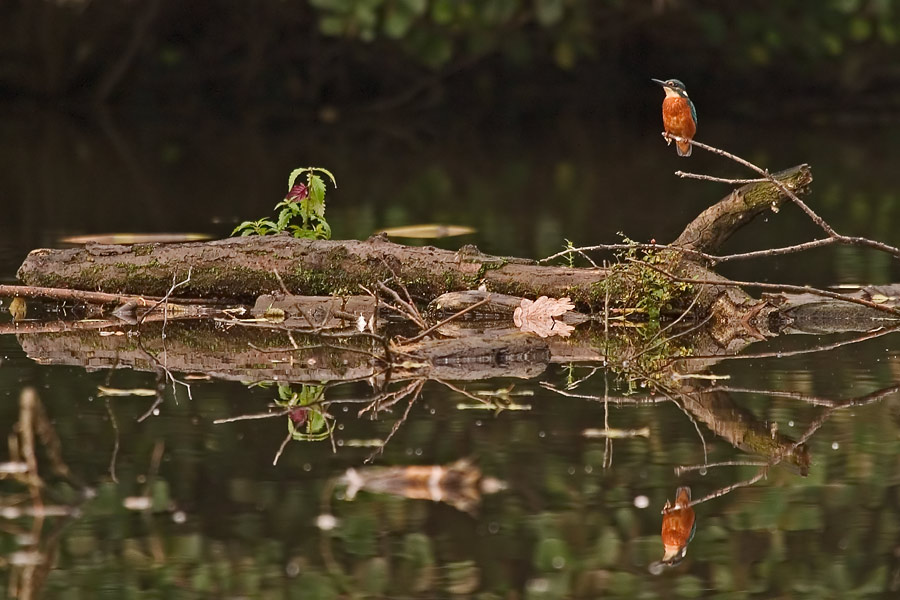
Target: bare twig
{"x":463,"y":392}
{"x":284,"y":288}
{"x":404,"y":308}
{"x":685,"y":175}
{"x":481,"y":302}
{"x":681,"y":470}
{"x":415,"y":396}
{"x":281,"y":448}
{"x":777,"y":287}
{"x":115,"y":453}
{"x":165,"y":299}
{"x":785,"y":353}
{"x":814,"y":217}
{"x":616,"y":400}
{"x":628,"y":246}
{"x":250,"y":417}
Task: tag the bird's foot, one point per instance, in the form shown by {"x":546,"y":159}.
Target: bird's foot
{"x":667,"y":137}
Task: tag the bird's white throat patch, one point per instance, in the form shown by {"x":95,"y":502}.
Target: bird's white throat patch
{"x":671,"y":93}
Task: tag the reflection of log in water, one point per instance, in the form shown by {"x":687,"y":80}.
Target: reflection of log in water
{"x":740,"y":428}
{"x":249,"y":354}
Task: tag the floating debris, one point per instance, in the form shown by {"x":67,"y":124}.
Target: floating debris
{"x":504,"y":392}
{"x":373,"y":443}
{"x":497,"y":406}
{"x":135,"y":238}
{"x":116,"y":392}
{"x":616,"y":433}
{"x":429,"y":231}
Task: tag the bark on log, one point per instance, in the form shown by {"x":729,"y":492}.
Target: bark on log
{"x":244,"y":268}
{"x":709,"y":231}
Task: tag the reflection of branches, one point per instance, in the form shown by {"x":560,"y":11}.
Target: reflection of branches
{"x":31,"y":565}
{"x":777,"y":458}
{"x":775,"y":287}
{"x":165,"y":299}
{"x":616,"y":400}
{"x":415,"y":391}
{"x":784,"y":353}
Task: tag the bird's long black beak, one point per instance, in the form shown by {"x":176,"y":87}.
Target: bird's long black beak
{"x":659,"y":81}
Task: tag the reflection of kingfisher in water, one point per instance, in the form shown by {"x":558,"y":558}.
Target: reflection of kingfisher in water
{"x":678,"y":527}
{"x":679,"y":114}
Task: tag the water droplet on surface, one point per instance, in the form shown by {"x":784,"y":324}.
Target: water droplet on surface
{"x":641,"y":501}
{"x":326,"y":522}
{"x":292,"y":569}
{"x":835,"y":445}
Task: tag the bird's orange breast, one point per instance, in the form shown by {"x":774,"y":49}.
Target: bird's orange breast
{"x":678,"y":523}
{"x":677,"y":118}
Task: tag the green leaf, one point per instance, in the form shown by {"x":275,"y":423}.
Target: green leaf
{"x":285,"y":392}
{"x":327,"y":172}
{"x":316,"y":201}
{"x":292,"y":178}
{"x":316,"y":421}
{"x":243,"y":227}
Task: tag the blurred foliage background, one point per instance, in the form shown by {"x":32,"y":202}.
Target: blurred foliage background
{"x":321,"y":55}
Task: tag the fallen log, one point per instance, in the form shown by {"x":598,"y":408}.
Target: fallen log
{"x":244,"y":268}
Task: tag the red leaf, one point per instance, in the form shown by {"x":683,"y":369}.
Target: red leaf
{"x":298,"y":192}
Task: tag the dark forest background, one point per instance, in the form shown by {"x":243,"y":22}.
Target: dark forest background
{"x":324,"y":58}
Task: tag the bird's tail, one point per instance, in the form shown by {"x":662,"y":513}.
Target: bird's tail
{"x":684,"y":148}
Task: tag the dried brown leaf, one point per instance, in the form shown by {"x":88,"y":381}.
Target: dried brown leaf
{"x":538,"y":316}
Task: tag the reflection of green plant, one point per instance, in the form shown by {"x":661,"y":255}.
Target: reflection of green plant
{"x":307,"y":418}
{"x":303,"y":201}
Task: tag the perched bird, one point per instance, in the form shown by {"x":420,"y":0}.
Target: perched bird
{"x":678,"y":527}
{"x":679,"y":114}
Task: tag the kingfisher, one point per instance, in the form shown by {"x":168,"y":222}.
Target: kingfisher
{"x":679,"y":114}
{"x":678,"y":527}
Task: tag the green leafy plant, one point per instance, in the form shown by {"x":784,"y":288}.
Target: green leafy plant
{"x":304,"y":202}
{"x":307,"y":417}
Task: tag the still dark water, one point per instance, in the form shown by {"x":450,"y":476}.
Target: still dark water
{"x":575,"y":516}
